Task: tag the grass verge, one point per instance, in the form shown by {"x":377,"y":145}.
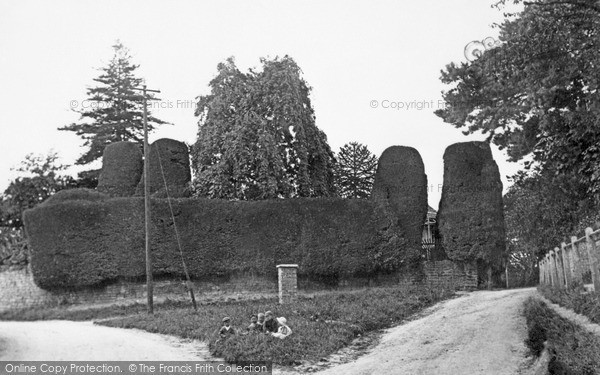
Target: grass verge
{"x":574,"y":350}
{"x":76,"y":314}
{"x":575,"y":299}
{"x":321,"y":325}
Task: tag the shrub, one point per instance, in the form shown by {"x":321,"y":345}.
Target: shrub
{"x":536,"y":336}
{"x":13,"y":248}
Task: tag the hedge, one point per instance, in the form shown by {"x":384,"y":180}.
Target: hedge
{"x":171,"y":158}
{"x":471,"y":216}
{"x":122,"y":167}
{"x":75,"y":194}
{"x":400,"y":187}
{"x":80,"y":243}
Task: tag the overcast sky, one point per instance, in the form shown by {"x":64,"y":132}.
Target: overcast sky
{"x":356,"y":55}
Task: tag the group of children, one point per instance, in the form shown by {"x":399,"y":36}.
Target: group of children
{"x":259,"y":323}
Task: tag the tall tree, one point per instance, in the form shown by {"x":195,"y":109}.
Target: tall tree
{"x":113,"y":111}
{"x":355,"y":171}
{"x":41,"y":178}
{"x":537,"y":93}
{"x":541,"y":211}
{"x":257,"y":137}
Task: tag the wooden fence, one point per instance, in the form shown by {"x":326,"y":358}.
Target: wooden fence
{"x":566,"y":266}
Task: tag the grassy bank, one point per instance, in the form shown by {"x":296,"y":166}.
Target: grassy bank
{"x":575,"y":299}
{"x":75,"y":314}
{"x":574,"y":350}
{"x":321,"y":325}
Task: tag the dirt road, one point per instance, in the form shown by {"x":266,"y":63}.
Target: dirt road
{"x":71,"y":341}
{"x":479,"y":333}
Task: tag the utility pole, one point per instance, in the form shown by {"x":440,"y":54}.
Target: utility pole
{"x":149,"y":283}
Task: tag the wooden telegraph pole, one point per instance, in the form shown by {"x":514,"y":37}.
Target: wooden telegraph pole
{"x":149,"y":283}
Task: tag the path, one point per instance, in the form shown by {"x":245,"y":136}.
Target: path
{"x":60,"y":340}
{"x":480,"y":333}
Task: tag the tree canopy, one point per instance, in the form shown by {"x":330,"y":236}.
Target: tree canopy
{"x":536,"y":94}
{"x":257,"y":137}
{"x":113,"y":111}
{"x":41,"y":178}
{"x":355,"y":171}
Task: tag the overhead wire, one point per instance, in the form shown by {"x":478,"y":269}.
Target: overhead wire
{"x":189,"y":284}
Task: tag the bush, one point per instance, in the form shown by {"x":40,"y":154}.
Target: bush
{"x":573,"y":349}
{"x":536,"y":337}
{"x":13,"y":248}
{"x":80,"y":243}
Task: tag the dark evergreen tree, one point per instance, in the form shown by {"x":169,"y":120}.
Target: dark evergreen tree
{"x":113,"y":111}
{"x":257,"y":137}
{"x":355,"y":171}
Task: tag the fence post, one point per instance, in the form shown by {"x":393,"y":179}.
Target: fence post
{"x":560,"y":271}
{"x":553,"y":270}
{"x":593,"y":256}
{"x":547,"y":270}
{"x":543,"y":273}
{"x":566,"y":261}
{"x":576,"y":261}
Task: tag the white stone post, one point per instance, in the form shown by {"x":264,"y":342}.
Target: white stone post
{"x":288,"y":283}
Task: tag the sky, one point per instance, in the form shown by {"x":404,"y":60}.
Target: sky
{"x":374,"y":66}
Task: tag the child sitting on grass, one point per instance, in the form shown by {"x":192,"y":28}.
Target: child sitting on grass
{"x":260,"y":324}
{"x":271,"y":324}
{"x":253,"y":327}
{"x":283,"y":331}
{"x":227,"y":330}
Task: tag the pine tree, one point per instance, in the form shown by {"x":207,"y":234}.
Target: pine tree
{"x":113,"y":111}
{"x":355,"y":171}
{"x":257,"y":137}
